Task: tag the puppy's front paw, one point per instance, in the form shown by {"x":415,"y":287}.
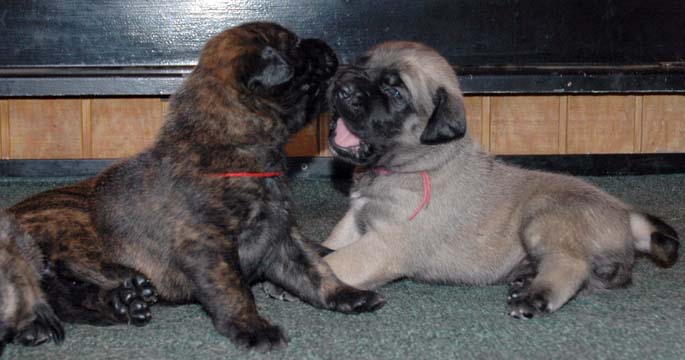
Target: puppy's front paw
{"x":351,"y":300}
{"x":264,"y":337}
{"x":45,"y":327}
{"x":527,"y":303}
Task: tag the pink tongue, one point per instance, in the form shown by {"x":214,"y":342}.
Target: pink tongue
{"x":343,"y":136}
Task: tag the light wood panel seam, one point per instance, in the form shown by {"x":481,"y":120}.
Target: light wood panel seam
{"x":639,"y":115}
{"x":485,"y":123}
{"x":87,"y":128}
{"x":4,"y":129}
{"x":563,"y":124}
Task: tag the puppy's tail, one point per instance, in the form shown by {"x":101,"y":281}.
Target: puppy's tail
{"x":655,"y":238}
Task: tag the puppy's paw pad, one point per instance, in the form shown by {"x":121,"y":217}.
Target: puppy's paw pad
{"x":525,"y":305}
{"x":132,"y":300}
{"x":262,"y":339}
{"x":44,"y":328}
{"x":139,"y":312}
{"x":350,"y":300}
{"x":142,"y":287}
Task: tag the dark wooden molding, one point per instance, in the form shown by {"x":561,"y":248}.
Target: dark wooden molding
{"x":327,"y":167}
{"x":144,"y":48}
{"x":165,"y":81}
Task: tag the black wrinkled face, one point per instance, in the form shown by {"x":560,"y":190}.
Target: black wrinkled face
{"x":369,"y":108}
{"x":287,"y":73}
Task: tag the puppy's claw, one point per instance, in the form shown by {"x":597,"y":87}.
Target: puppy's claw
{"x":45,"y":327}
{"x":277,"y":292}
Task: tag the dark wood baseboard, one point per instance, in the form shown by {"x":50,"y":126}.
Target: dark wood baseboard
{"x":322,"y":167}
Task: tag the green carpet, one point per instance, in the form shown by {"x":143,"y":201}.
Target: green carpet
{"x":645,"y":321}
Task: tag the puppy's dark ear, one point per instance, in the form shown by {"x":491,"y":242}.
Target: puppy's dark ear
{"x":270,"y":70}
{"x":448,"y":121}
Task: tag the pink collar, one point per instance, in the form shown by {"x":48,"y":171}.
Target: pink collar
{"x":426,"y":190}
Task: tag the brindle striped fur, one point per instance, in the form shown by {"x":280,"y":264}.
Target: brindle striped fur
{"x":197,"y":237}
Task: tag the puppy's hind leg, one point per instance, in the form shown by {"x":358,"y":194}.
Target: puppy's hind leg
{"x":562,"y":267}
{"x":559,"y":278}
{"x":117,"y":294}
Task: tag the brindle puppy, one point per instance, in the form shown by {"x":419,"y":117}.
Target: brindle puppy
{"x":165,"y":214}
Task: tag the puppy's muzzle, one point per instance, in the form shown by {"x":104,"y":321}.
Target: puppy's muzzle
{"x":347,"y":93}
{"x":348,"y":89}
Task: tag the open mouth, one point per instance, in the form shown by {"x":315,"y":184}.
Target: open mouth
{"x":343,"y":142}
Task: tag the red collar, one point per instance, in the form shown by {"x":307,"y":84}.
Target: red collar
{"x":246,"y":174}
{"x":426,"y":190}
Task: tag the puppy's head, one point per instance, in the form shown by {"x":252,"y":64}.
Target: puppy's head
{"x":269,"y":70}
{"x":399,"y":97}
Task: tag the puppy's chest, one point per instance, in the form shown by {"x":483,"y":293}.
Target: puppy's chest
{"x":267,"y":209}
{"x":381,"y":200}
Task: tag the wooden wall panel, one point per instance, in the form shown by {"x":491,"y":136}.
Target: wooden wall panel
{"x":524,"y":125}
{"x":305,"y":142}
{"x":601,"y":124}
{"x":663,"y":126}
{"x":123,"y":126}
{"x":474,"y":112}
{"x":117,"y":127}
{"x":45,"y":129}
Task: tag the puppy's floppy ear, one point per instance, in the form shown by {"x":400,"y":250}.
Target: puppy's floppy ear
{"x":448,"y":121}
{"x":270,"y":70}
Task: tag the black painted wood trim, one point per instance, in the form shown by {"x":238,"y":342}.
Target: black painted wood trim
{"x":322,"y":167}
{"x":512,"y":83}
{"x":143,"y":48}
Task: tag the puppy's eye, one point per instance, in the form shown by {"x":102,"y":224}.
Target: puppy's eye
{"x":394,"y":93}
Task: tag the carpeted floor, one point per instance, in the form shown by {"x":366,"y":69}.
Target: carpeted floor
{"x":645,"y":321}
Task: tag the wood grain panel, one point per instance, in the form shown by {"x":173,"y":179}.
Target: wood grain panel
{"x":124,"y":126}
{"x":45,"y":129}
{"x":601,"y":124}
{"x":663,"y":126}
{"x":305,"y":142}
{"x":524,"y":125}
{"x":474,"y":121}
{"x":4,"y":129}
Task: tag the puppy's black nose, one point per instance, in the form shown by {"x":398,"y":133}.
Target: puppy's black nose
{"x":345,"y":91}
